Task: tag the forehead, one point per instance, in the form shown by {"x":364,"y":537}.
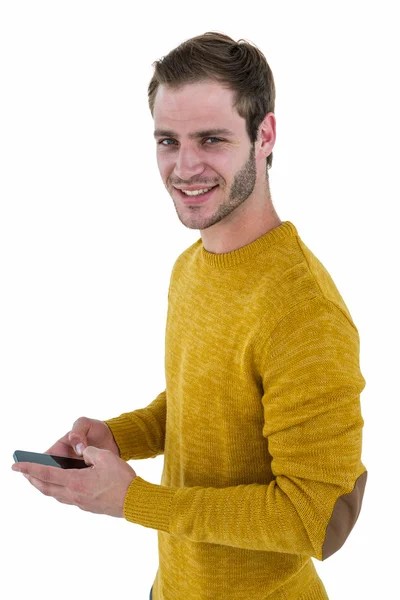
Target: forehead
{"x":196,"y":104}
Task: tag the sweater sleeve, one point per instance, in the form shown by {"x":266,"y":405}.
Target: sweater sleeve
{"x":311,"y":383}
{"x":141,"y":433}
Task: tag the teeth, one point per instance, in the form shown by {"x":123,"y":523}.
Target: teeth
{"x":197,"y":192}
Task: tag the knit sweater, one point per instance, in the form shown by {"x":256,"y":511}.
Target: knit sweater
{"x":260,"y":425}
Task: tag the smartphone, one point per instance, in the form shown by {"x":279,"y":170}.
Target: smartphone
{"x":63,"y":462}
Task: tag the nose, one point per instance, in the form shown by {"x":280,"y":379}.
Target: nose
{"x":188,"y":164}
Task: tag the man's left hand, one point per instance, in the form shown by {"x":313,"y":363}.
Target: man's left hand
{"x":100,"y":488}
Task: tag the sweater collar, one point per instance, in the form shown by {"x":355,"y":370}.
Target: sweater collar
{"x":261,"y":244}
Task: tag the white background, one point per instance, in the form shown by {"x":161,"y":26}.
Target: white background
{"x":89,"y":234}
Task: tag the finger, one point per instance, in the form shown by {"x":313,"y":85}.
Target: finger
{"x":53,"y":475}
{"x":48,"y":489}
{"x":63,"y":500}
{"x":78,"y":442}
{"x":78,"y":445}
{"x":78,"y":434}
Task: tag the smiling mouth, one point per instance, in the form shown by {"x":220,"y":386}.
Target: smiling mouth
{"x":205,"y":187}
{"x":197,"y":198}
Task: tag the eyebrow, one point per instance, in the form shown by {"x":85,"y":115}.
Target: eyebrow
{"x":195,"y":134}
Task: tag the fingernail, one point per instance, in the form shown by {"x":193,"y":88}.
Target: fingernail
{"x":80,"y":448}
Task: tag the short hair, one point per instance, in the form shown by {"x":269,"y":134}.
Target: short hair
{"x":239,"y":66}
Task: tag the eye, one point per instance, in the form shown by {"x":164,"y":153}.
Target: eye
{"x":169,"y":139}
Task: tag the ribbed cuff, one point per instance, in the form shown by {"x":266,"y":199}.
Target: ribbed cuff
{"x":149,"y":504}
{"x":121,"y":428}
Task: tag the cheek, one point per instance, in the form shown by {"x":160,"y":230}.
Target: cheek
{"x":165,"y":167}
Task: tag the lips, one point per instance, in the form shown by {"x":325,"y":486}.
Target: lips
{"x":196,"y":189}
{"x":199,"y":199}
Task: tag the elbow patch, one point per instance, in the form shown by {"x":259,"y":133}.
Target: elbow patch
{"x":344,"y":517}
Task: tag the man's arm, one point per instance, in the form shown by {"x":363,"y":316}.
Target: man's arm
{"x":312,"y":420}
{"x":141,"y":433}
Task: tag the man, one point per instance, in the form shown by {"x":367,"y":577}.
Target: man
{"x":260,"y":422}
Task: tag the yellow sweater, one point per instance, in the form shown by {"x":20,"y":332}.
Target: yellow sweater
{"x":260,"y":425}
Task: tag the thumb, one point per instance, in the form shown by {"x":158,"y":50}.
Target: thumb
{"x":91,"y":455}
{"x":78,"y":442}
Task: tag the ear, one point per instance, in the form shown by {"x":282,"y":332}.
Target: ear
{"x":266,"y":135}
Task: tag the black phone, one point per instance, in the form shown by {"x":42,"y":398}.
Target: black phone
{"x":63,"y":462}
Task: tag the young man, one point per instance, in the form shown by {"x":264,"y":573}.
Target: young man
{"x":260,"y":422}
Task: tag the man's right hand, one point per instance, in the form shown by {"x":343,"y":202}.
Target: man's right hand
{"x":89,"y":432}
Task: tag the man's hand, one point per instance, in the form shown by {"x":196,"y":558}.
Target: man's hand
{"x":100,"y":488}
{"x":85,"y":432}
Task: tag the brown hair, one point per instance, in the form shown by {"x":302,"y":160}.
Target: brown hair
{"x":240,"y":67}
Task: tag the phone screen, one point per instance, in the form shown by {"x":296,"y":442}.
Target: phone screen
{"x":63,"y":462}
